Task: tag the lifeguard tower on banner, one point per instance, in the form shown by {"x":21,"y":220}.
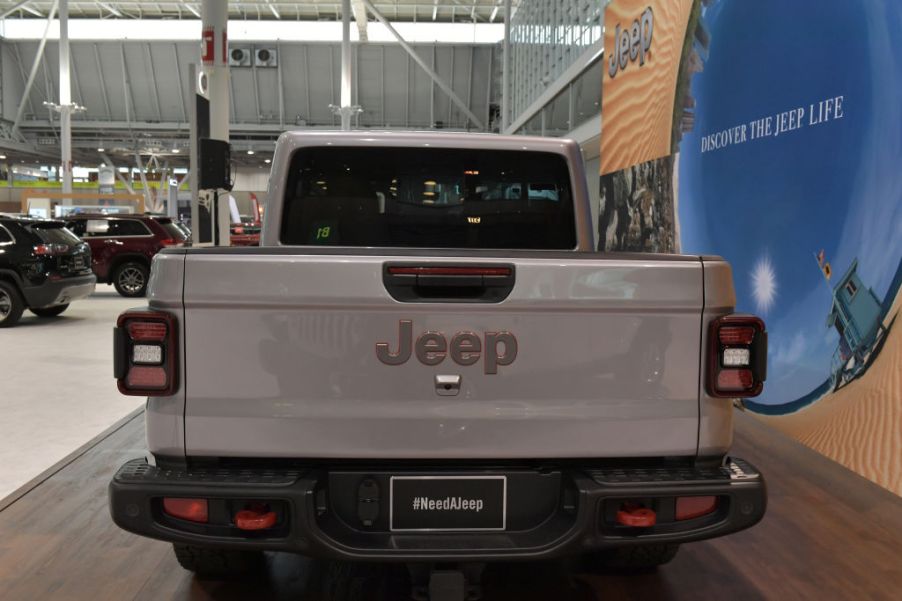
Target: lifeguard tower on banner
{"x":856,"y":314}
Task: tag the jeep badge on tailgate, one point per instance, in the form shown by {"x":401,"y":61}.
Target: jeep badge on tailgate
{"x":465,"y":348}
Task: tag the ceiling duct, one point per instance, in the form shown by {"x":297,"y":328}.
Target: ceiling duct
{"x":266,"y":57}
{"x":240,"y":57}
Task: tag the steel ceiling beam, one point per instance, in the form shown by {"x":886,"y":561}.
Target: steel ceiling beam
{"x":192,"y":9}
{"x":360,"y":18}
{"x":429,"y":70}
{"x":109,"y":7}
{"x":34,"y":69}
{"x":20,"y":5}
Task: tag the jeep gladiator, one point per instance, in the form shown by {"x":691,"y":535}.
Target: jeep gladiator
{"x":427,"y":362}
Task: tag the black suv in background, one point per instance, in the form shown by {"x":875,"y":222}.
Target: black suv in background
{"x":43,"y":267}
{"x":123,"y":246}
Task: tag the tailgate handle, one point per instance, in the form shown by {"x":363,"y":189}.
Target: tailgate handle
{"x":448,"y":283}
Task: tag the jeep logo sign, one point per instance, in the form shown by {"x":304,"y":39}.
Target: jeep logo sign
{"x":631,"y":43}
{"x":465,"y":348}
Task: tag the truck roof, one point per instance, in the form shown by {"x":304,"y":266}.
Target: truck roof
{"x":426,"y":139}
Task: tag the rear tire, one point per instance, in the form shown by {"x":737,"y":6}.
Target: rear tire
{"x":130,"y":279}
{"x":636,"y":557}
{"x":351,"y":581}
{"x":50,"y":311}
{"x":11,"y":304}
{"x":220,"y":564}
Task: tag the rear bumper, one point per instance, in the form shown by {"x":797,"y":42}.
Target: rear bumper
{"x":59,"y":292}
{"x":313,"y":519}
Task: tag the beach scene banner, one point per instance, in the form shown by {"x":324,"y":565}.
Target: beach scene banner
{"x":785,"y":160}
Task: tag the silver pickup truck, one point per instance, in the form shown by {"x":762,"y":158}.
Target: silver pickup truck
{"x":426,"y":362}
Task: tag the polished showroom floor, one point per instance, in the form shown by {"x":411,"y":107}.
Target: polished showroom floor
{"x":828,"y":534}
{"x":57,"y":390}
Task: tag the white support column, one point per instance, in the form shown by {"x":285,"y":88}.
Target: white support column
{"x":506,"y":66}
{"x":108,"y":162}
{"x":65,"y":106}
{"x":346,"y":109}
{"x":214,"y":54}
{"x":345,"y":99}
{"x":215,"y":15}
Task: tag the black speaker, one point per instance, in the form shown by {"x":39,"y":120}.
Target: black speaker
{"x":215,"y":165}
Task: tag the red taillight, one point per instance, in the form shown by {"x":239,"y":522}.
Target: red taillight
{"x":193,"y":510}
{"x":140,"y":377}
{"x":736,"y":335}
{"x":737,"y":356}
{"x":170,"y":242}
{"x":50,"y":250}
{"x":146,"y":331}
{"x":145,"y":352}
{"x":473,"y":271}
{"x":735,"y":380}
{"x":688,"y":508}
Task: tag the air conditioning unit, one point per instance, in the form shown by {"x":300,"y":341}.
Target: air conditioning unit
{"x":240,"y":57}
{"x":266,"y":57}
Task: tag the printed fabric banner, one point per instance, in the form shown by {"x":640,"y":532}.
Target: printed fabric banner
{"x":643,"y":43}
{"x":786,"y":162}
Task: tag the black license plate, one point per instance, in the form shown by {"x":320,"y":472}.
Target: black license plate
{"x":448,"y":503}
{"x":78,"y":263}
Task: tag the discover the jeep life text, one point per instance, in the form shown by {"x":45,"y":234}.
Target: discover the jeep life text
{"x":426,"y":361}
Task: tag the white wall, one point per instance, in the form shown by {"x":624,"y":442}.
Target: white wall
{"x":251,"y":179}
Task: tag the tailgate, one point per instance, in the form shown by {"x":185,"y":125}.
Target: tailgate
{"x":283,"y":359}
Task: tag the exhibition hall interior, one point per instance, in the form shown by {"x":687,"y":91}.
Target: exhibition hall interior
{"x":450,"y":300}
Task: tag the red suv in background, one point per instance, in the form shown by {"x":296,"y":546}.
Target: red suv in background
{"x":122,"y":246}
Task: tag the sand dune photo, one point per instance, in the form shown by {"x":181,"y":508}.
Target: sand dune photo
{"x":860,"y":425}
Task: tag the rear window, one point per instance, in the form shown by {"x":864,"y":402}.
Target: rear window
{"x":112,"y":228}
{"x":429,"y":197}
{"x":172,"y":230}
{"x":54,"y":233}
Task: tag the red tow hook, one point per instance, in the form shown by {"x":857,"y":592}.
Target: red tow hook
{"x":636,"y":516}
{"x":255,"y":517}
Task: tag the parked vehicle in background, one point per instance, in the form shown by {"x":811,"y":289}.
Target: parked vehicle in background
{"x":185,"y":229}
{"x":246,"y":233}
{"x":43,"y":267}
{"x":123,"y":246}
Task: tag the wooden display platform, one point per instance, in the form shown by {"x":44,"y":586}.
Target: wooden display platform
{"x":828,"y":534}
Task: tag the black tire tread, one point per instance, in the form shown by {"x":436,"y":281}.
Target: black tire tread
{"x":350,"y":581}
{"x":50,"y":311}
{"x":120,"y":268}
{"x":18,"y":305}
{"x":210,"y":562}
{"x":637,"y":557}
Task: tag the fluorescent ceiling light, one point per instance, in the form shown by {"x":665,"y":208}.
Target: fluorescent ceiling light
{"x":252,"y":31}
